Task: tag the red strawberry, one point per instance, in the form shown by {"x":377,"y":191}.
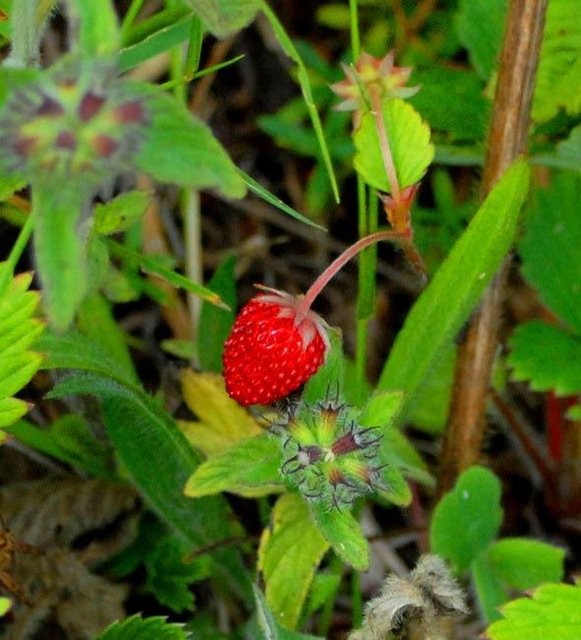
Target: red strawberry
{"x":273,"y":348}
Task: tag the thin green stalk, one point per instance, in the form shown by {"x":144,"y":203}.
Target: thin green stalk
{"x":354,"y":24}
{"x":335,"y":566}
{"x":194,"y":54}
{"x":356,"y":601}
{"x":362,"y":323}
{"x":129,"y":18}
{"x":10,"y":265}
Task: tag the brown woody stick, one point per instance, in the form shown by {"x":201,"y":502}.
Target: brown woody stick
{"x":507,"y":139}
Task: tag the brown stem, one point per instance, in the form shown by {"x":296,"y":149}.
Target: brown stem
{"x":506,"y":140}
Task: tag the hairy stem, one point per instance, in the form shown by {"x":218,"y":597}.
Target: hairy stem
{"x":339,"y":262}
{"x":29,"y":19}
{"x":506,"y":140}
{"x":386,"y":154}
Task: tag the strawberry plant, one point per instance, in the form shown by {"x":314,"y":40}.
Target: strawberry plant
{"x":382,"y":441}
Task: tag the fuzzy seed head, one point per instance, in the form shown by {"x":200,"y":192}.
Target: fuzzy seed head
{"x":272,"y":349}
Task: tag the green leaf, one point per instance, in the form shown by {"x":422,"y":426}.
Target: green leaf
{"x":547,"y":357}
{"x":249,"y":468}
{"x":409,"y":140}
{"x":289,"y":554}
{"x":157,"y":265}
{"x":69,"y":440}
{"x":96,"y":321}
{"x":289,"y":48}
{"x":138,"y":628}
{"x":381,"y":409}
{"x":452,"y":101}
{"x":456,"y":288}
{"x":267,"y":196}
{"x":164,"y":38}
{"x":429,"y":411}
{"x":98,"y":32}
{"x":267,"y":626}
{"x":182,"y":150}
{"x":224,"y":17}
{"x":169,"y":576}
{"x":18,"y":330}
{"x":570,"y":149}
{"x":343,"y":532}
{"x":489,"y":588}
{"x":467,"y":519}
{"x":215,"y":323}
{"x":75,"y":351}
{"x":9,"y":184}
{"x":121,"y":212}
{"x":550,"y":247}
{"x":480,"y":27}
{"x":557,"y":83}
{"x":60,"y":252}
{"x":553,"y":612}
{"x":329,"y":379}
{"x":138,"y":426}
{"x":397,"y":451}
{"x":525,"y":564}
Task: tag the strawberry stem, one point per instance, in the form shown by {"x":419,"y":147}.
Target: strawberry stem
{"x":386,"y":154}
{"x":339,"y":262}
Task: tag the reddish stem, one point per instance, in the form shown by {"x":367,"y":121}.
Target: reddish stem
{"x":321,"y":282}
{"x":386,"y":154}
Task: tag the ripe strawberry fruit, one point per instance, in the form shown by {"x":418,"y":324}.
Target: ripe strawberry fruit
{"x":274,"y":347}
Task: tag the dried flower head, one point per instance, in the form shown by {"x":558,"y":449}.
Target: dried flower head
{"x":421,"y":606}
{"x":369,"y":73}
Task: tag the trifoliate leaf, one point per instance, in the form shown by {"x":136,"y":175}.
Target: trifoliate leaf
{"x":289,"y":554}
{"x":547,"y":357}
{"x":560,"y":62}
{"x":138,"y":628}
{"x":552,"y":613}
{"x":468,"y":518}
{"x":550,"y":247}
{"x":525,"y":564}
{"x":480,"y":27}
{"x":409,"y":139}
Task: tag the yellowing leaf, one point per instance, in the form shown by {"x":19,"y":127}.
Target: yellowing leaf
{"x":289,"y":554}
{"x":223,"y":422}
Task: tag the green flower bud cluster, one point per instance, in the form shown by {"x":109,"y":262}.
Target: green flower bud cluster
{"x":327,"y":456}
{"x":76,"y":118}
